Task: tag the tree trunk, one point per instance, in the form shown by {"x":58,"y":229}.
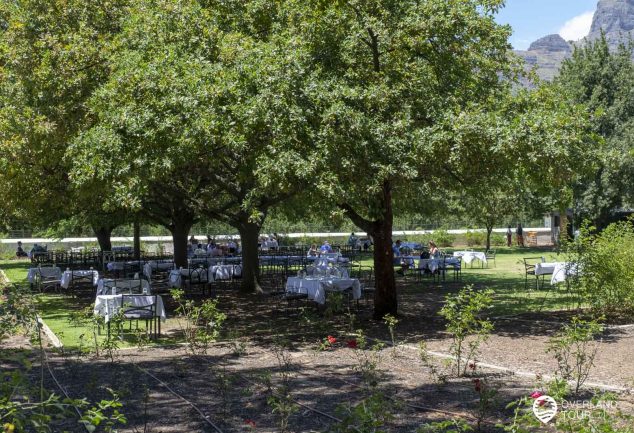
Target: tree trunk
{"x":249,"y":234}
{"x":137,"y":240}
{"x":103,"y":237}
{"x":180,"y":231}
{"x":489,"y":230}
{"x":385,"y":299}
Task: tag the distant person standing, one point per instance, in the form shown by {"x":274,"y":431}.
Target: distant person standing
{"x":519,"y":232}
{"x":509,"y":237}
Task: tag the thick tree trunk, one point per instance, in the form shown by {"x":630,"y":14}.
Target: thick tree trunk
{"x":103,"y":237}
{"x":137,"y":240}
{"x":249,"y":234}
{"x":180,"y":231}
{"x":385,"y":299}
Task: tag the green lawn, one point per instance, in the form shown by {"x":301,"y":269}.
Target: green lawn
{"x":506,"y":277}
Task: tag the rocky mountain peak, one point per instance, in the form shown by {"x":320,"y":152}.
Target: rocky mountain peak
{"x":551,"y":43}
{"x":613,"y":16}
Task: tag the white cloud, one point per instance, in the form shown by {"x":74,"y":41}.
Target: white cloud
{"x":578,"y":27}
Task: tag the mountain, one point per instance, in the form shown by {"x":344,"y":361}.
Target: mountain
{"x":546,"y":54}
{"x":614,"y":17}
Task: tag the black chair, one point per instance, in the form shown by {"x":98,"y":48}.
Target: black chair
{"x":490,"y":255}
{"x":451,"y":264}
{"x":530,"y":264}
{"x":367,"y":280}
{"x":198,"y":279}
{"x":135,"y":308}
{"x":81,"y":283}
{"x":48,"y":277}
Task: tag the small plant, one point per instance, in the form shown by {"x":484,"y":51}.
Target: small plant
{"x":449,"y":426}
{"x":462,"y":313}
{"x":201,"y":324}
{"x":280,"y":400}
{"x":367,"y":361}
{"x":486,"y":401}
{"x":334,"y":304}
{"x":327,"y":343}
{"x":437,"y":374}
{"x":575,"y":351}
{"x":237,"y":343}
{"x":224,"y":385}
{"x":369,"y":416}
{"x":391,"y":323}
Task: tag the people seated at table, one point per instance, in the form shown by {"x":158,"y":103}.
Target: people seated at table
{"x":434,"y":252}
{"x":325,"y":248}
{"x":313,"y":251}
{"x":367,"y":243}
{"x":232,"y":246}
{"x":200,"y":251}
{"x":216,"y":251}
{"x":396,"y":248}
{"x":20,"y":251}
{"x":38,"y":249}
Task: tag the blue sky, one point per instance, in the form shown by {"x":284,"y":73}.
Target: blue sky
{"x":532,"y":19}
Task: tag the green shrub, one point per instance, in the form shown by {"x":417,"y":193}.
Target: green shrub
{"x":443,"y":238}
{"x":498,"y":239}
{"x":473,"y":238}
{"x":606,"y":280}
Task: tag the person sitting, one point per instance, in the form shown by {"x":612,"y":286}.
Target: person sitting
{"x":434,"y":252}
{"x":20,"y":251}
{"x":216,"y":251}
{"x":199,"y":251}
{"x":325,"y":248}
{"x":232,"y":246}
{"x":313,"y":251}
{"x":396,"y":248}
{"x":368,"y":243}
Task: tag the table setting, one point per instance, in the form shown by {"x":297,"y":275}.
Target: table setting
{"x":84,"y":275}
{"x":316,"y":286}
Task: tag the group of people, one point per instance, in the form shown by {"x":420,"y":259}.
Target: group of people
{"x":519,"y":233}
{"x":325,"y":248}
{"x":356,"y":243}
{"x":211,"y":248}
{"x":20,"y":253}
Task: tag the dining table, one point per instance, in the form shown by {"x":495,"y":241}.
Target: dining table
{"x":317,"y":286}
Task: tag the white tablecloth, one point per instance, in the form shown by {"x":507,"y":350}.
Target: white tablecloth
{"x":108,"y":305}
{"x":152,"y":266}
{"x":123,"y":286}
{"x":177,"y":276}
{"x":48,"y":272}
{"x":69,"y":276}
{"x":434,"y":264}
{"x":559,"y":270}
{"x":470,"y":256}
{"x":315,"y":287}
{"x":224,"y":272}
{"x":328,"y":271}
{"x":120,"y":266}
